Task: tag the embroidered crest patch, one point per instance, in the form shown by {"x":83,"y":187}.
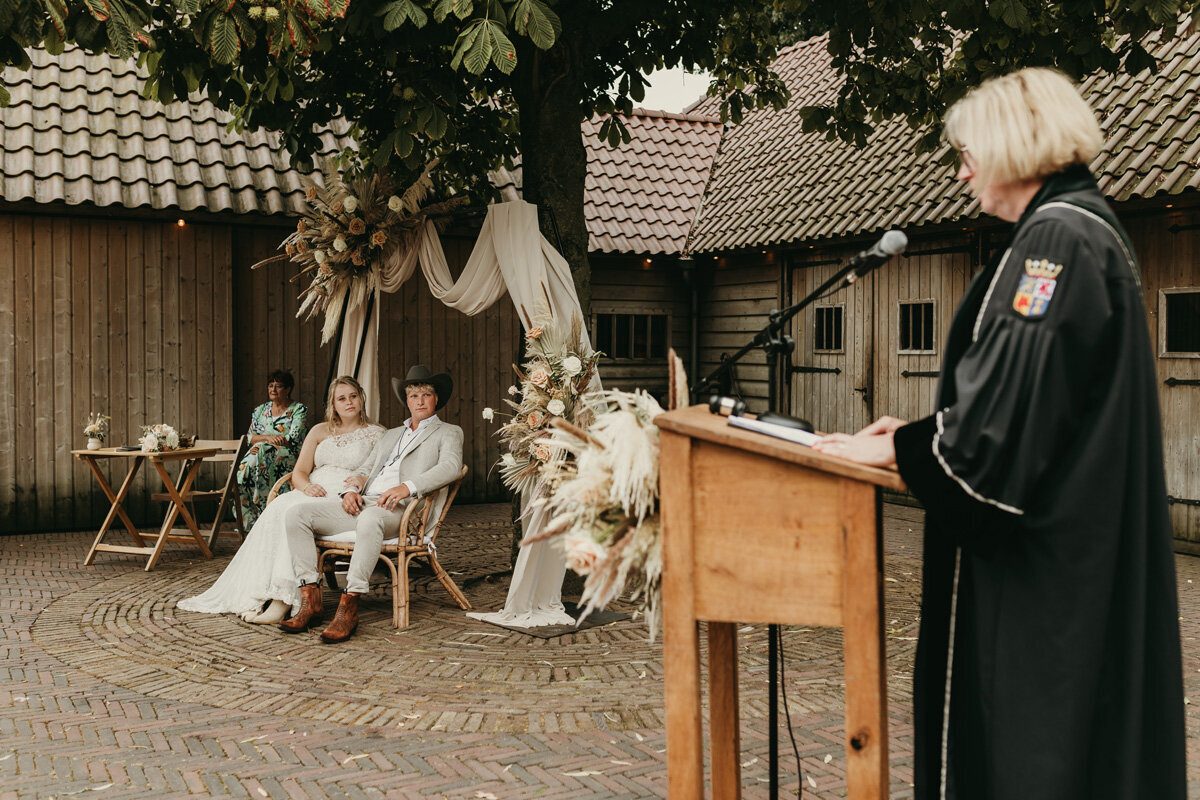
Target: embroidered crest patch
{"x":1036,"y":288}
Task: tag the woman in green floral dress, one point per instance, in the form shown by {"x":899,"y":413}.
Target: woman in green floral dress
{"x":277,"y":429}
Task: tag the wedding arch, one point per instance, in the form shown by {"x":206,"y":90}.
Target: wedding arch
{"x":510,"y":257}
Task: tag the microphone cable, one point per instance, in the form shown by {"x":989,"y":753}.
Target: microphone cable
{"x":787,"y":713}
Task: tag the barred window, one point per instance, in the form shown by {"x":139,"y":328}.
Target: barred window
{"x":916,"y":326}
{"x":1181,"y":324}
{"x":632,"y":335}
{"x":827,"y":335}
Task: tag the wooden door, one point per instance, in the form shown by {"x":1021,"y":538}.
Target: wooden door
{"x":832,"y":386}
{"x":1168,"y":249}
{"x":915,"y":298}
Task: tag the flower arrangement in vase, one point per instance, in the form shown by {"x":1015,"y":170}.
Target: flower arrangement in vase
{"x":96,"y":430}
{"x":158,"y":438}
{"x":559,"y":368}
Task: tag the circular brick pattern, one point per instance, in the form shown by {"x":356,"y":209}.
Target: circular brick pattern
{"x":445,"y":672}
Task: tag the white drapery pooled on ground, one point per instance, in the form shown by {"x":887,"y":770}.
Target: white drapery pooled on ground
{"x":510,"y":255}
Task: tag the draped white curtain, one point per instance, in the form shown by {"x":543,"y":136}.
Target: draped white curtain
{"x":510,"y":256}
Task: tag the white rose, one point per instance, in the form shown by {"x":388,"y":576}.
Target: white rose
{"x":172,"y":440}
{"x":339,"y":244}
{"x":556,"y":407}
{"x":320,"y":256}
{"x":395,"y":203}
{"x":572,"y":365}
{"x":149,"y":443}
{"x":350,"y":204}
{"x":489,"y":414}
{"x":508,"y":460}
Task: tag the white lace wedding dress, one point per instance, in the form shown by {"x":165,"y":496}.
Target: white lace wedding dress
{"x":261,"y":570}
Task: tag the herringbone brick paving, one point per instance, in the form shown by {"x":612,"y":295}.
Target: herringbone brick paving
{"x":108,"y":691}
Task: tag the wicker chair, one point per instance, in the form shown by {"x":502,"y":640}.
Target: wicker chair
{"x":398,"y":552}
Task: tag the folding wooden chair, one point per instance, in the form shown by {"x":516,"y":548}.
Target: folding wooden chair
{"x":232,"y":452}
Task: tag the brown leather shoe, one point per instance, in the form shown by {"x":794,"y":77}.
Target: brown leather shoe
{"x":309,"y":615}
{"x":345,"y":621}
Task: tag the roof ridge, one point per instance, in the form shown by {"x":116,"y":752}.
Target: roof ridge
{"x":674,"y":115}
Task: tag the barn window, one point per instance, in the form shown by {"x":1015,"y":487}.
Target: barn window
{"x":916,"y":327}
{"x":1180,"y":310}
{"x":827,"y":334}
{"x":632,"y":335}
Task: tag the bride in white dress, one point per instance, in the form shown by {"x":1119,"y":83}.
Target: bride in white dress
{"x":261,"y":573}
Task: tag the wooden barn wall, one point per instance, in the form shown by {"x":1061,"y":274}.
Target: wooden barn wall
{"x":740,"y":291}
{"x":414,"y":328}
{"x":124,"y":316}
{"x":636,"y":285}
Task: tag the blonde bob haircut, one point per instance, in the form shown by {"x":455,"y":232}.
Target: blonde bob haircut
{"x":1023,"y":126}
{"x":331,"y":415}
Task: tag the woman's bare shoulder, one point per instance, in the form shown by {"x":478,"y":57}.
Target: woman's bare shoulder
{"x":319,"y":432}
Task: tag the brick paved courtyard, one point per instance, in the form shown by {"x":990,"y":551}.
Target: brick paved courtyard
{"x":108,"y":691}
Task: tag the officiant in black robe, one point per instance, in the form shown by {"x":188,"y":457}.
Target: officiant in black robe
{"x":1048,"y":665}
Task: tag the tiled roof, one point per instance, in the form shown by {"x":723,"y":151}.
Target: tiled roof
{"x":774,"y":184}
{"x":643,"y":196}
{"x":78,"y":131}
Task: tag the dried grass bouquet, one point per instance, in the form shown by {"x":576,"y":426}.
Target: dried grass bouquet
{"x":350,"y":227}
{"x":604,"y":501}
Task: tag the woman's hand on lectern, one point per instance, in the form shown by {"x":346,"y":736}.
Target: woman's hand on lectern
{"x":872,"y":445}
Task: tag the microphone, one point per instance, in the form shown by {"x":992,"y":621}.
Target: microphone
{"x":731,"y":407}
{"x":890,"y":244}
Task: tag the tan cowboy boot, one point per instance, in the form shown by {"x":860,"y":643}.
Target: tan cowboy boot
{"x":310,"y":610}
{"x":345,"y":621}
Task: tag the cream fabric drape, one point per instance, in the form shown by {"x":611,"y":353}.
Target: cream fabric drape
{"x":511,"y":255}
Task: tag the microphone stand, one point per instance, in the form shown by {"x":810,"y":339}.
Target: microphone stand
{"x":778,"y":347}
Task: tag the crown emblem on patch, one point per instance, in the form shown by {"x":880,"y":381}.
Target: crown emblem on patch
{"x":1041,"y":268}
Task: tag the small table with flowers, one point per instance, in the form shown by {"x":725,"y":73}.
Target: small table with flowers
{"x":192,"y":458}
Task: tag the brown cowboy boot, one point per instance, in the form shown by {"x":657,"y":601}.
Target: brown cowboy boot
{"x":345,"y":621}
{"x":309,"y":614}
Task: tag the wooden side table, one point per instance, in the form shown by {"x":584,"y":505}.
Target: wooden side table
{"x":192,"y":457}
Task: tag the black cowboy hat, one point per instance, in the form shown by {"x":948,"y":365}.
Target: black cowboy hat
{"x":442,"y":383}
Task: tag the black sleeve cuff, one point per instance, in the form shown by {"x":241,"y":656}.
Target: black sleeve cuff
{"x":943,"y":498}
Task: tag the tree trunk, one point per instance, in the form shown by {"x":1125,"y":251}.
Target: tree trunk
{"x":553,"y":158}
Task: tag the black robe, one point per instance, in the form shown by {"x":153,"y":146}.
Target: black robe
{"x":1049,"y":598}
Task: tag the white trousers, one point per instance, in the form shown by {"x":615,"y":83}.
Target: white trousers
{"x":325,"y":516}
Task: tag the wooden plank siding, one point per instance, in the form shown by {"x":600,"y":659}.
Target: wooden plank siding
{"x":93,"y":318}
{"x":741,"y":291}
{"x":640,"y":285}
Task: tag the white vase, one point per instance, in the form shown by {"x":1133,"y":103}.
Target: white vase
{"x":94,"y":444}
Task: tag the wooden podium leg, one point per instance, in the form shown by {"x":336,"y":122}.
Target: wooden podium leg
{"x":724,"y":732}
{"x":681,"y":641}
{"x":864,"y":647}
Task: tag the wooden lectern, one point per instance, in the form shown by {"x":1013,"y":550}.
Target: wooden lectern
{"x":758,"y":529}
